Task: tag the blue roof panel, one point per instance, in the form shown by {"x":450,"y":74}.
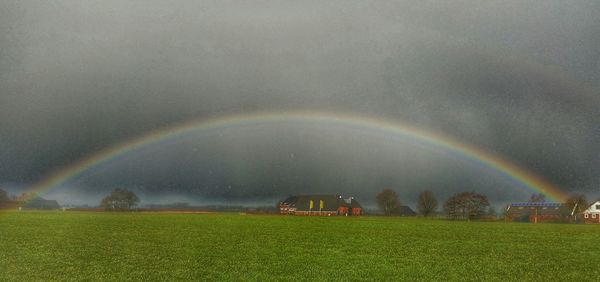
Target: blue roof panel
{"x":537,"y":204}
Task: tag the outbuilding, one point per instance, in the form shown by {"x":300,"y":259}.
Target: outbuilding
{"x":592,"y":214}
{"x":41,"y":204}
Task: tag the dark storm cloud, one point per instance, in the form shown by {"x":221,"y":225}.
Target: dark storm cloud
{"x":517,"y":79}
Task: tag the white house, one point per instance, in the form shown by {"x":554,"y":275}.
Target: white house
{"x":592,"y":214}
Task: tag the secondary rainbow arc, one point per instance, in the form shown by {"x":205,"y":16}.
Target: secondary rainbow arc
{"x":502,"y":166}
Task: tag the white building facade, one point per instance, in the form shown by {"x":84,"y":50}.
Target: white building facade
{"x":592,"y":214}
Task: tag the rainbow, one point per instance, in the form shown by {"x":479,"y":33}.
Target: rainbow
{"x":524,"y":178}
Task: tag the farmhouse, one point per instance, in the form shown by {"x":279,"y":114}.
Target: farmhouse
{"x":323,"y":205}
{"x":592,"y":214}
{"x":538,"y":212}
{"x":406,"y":211}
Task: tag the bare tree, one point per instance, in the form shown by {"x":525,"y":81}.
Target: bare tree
{"x":26,"y":196}
{"x":466,"y":205}
{"x":120,"y":200}
{"x":426,"y":203}
{"x":577,"y":203}
{"x":388,"y":201}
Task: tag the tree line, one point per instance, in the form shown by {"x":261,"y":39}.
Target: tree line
{"x":459,"y":206}
{"x":117,"y":200}
{"x":462,"y":205}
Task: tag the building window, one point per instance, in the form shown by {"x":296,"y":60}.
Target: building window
{"x":598,"y":207}
{"x":587,"y":215}
{"x":594,"y":215}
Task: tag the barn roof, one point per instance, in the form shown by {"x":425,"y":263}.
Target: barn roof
{"x":355,"y":204}
{"x":593,"y":207}
{"x":290,"y":200}
{"x":537,"y":204}
{"x":40,"y":203}
{"x":542,"y":208}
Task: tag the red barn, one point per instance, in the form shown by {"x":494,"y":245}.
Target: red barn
{"x":592,"y":214}
{"x":321,"y":205}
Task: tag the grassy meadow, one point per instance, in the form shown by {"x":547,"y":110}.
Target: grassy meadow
{"x":64,"y":246}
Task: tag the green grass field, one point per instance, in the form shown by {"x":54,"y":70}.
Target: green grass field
{"x":161,"y":246}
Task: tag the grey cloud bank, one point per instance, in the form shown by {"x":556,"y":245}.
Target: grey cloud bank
{"x":517,"y":79}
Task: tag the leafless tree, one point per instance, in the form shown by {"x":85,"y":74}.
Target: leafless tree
{"x":535,"y":198}
{"x":26,"y":196}
{"x":120,"y":200}
{"x":426,"y":203}
{"x":388,"y":201}
{"x":466,"y":205}
{"x":577,"y":203}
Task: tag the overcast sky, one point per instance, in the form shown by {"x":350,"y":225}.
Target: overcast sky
{"x":519,"y":79}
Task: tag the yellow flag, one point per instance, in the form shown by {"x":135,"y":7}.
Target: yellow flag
{"x":321,"y":204}
{"x":312,"y":204}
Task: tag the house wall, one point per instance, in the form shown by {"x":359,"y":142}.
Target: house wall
{"x":591,"y":217}
{"x":548,"y":218}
